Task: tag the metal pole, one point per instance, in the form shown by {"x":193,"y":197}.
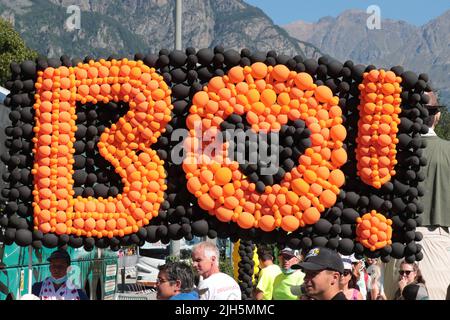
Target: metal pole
{"x":122,"y":278}
{"x":175,"y":245}
{"x":30,"y":269}
{"x":178,"y":32}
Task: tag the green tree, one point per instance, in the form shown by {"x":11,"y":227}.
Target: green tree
{"x":12,"y":48}
{"x":443,"y":127}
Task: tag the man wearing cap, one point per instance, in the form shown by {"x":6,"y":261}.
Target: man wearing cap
{"x":58,"y":286}
{"x":435,"y":265}
{"x":286,"y":285}
{"x":323,"y":269}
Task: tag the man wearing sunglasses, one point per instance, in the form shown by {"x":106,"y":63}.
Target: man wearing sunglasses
{"x":323,"y":269}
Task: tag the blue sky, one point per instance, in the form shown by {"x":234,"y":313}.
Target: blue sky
{"x":416,"y":12}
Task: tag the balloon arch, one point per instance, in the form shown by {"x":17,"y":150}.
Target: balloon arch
{"x":93,"y":152}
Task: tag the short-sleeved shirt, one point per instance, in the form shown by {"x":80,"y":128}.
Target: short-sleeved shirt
{"x":219,"y":286}
{"x":267,"y":276}
{"x":285,"y":284}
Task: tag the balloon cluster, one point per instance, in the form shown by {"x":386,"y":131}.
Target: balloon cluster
{"x":378,"y":126}
{"x":246,"y":268}
{"x":340,"y":157}
{"x":268,"y":97}
{"x":374,"y":230}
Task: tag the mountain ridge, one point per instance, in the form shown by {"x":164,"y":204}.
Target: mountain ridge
{"x":130,"y":26}
{"x":419,"y":48}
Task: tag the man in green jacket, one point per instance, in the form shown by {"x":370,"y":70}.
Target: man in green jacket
{"x":435,"y":265}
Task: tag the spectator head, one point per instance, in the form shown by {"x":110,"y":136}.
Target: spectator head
{"x":347,"y":278}
{"x":289,"y":257}
{"x":323,"y":269}
{"x":357,"y":266}
{"x":205,"y":258}
{"x":59,"y":263}
{"x":174,"y":278}
{"x":265,"y":257}
{"x":434,"y":110}
{"x":410,"y":272}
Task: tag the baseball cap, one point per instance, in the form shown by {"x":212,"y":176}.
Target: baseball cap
{"x":319,"y":259}
{"x":347,"y":261}
{"x":289,"y":251}
{"x":353,"y":258}
{"x":415,"y":292}
{"x":59,"y":254}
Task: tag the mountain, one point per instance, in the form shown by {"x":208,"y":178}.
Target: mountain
{"x":421,"y":49}
{"x":126,"y":27}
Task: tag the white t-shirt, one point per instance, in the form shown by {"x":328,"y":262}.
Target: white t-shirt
{"x":219,"y":286}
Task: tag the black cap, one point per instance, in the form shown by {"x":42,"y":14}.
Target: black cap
{"x":319,"y":259}
{"x":59,"y":254}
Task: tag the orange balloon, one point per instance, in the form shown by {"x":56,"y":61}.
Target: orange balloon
{"x":311,"y":215}
{"x":304,"y":81}
{"x":231,"y":202}
{"x":236,"y":74}
{"x":246,"y":220}
{"x":338,"y":157}
{"x":215,"y":191}
{"x":338,"y":132}
{"x":216,"y":83}
{"x":388,"y":88}
{"x":259,"y":70}
{"x":268,"y":97}
{"x":206,"y":202}
{"x":267,"y":223}
{"x":323,"y":94}
{"x":222,"y":176}
{"x":292,"y":198}
{"x":327,"y":198}
{"x":229,"y":189}
{"x":206,"y":176}
{"x":290,"y":223}
{"x":300,"y":186}
{"x":337,"y":178}
{"x":89,"y":224}
{"x":61,"y":228}
{"x":384,"y":140}
{"x":224,"y":214}
{"x":280,"y":72}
